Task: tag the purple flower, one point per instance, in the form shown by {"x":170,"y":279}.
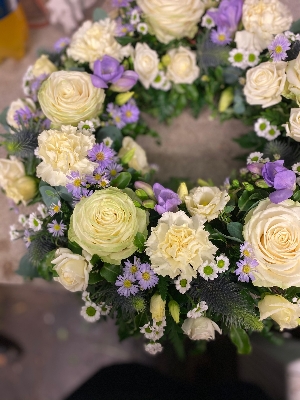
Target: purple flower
{"x":120,"y":3}
{"x":56,"y":228}
{"x":246,"y":250}
{"x":126,"y":285}
{"x":23,"y":115}
{"x":123,"y":29}
{"x":146,"y":277}
{"x":279,"y":47}
{"x":75,"y":181}
{"x":281,"y":179}
{"x":245,"y":269}
{"x":35,"y":85}
{"x":221,"y":36}
{"x":98,"y":175}
{"x":102,"y":154}
{"x":83,"y":194}
{"x":130,"y":112}
{"x":167,"y":200}
{"x":61,"y":44}
{"x":132,"y":268}
{"x":227,"y":15}
{"x":113,"y":170}
{"x":106,"y":70}
{"x":126,"y":82}
{"x":26,"y":238}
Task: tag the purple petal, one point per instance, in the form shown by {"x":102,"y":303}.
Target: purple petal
{"x":157,"y":188}
{"x":280,"y":195}
{"x":255,"y":168}
{"x":285,"y":180}
{"x":98,"y":82}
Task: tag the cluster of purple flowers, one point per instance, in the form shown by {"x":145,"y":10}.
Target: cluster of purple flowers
{"x":136,"y":276}
{"x":126,"y":114}
{"x":247,"y":264}
{"x":226,"y":18}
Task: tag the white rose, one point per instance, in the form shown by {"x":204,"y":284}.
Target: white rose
{"x":61,"y":152}
{"x":266,"y":18}
{"x":145,"y":64}
{"x":73,"y":269}
{"x":43,"y":66}
{"x":169,"y":19}
{"x":273,"y":230}
{"x":14,"y":181}
{"x":265,"y":83}
{"x":285,"y":313}
{"x":293,"y":127}
{"x":183,"y":66}
{"x":201,"y":328}
{"x":93,"y":40}
{"x":206,"y":201}
{"x":249,"y":41}
{"x":18,"y":105}
{"x":68,"y":97}
{"x":179,"y":245}
{"x":139,"y":160}
{"x":292,"y":89}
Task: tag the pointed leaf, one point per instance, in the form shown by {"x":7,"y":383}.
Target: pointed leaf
{"x":122,"y":181}
{"x":110,"y":272}
{"x":241,"y":340}
{"x":235,"y":229}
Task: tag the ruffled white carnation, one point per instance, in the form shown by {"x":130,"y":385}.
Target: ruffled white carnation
{"x":179,"y":245}
{"x":61,"y":152}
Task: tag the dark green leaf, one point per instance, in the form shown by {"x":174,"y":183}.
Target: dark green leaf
{"x":3,"y":118}
{"x":110,"y":272}
{"x":241,"y":340}
{"x":235,"y":229}
{"x":112,"y":132}
{"x":45,"y":268}
{"x":99,"y":14}
{"x":175,"y":336}
{"x":247,"y":199}
{"x":162,"y":286}
{"x":122,"y":181}
{"x":296,"y":196}
{"x":124,"y":40}
{"x":139,"y":241}
{"x":140,"y":320}
{"x":26,"y":268}
{"x":295,"y":26}
{"x":75,"y":248}
{"x":95,"y":259}
{"x":95,"y":277}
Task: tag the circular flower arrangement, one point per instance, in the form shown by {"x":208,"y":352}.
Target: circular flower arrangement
{"x":166,"y":262}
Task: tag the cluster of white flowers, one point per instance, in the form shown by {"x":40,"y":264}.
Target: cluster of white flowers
{"x":243,"y":58}
{"x":91,"y":311}
{"x":256,"y":157}
{"x":198,"y":311}
{"x":154,"y":332}
{"x":264,"y":129}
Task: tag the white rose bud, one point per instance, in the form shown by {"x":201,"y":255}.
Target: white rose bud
{"x":169,"y":19}
{"x":285,"y":313}
{"x":293,"y":127}
{"x":145,"y":64}
{"x":139,"y":159}
{"x":73,"y":269}
{"x":265,"y":83}
{"x":18,"y":105}
{"x":157,"y":307}
{"x":206,"y":201}
{"x":43,"y":66}
{"x":201,"y":328}
{"x":182,"y":67}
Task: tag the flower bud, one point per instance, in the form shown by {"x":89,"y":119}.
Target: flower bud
{"x":128,"y":156}
{"x":146,"y":188}
{"x":261,"y":184}
{"x":182,"y":191}
{"x":157,"y":307}
{"x":141,"y":194}
{"x":126,"y":82}
{"x":122,"y":98}
{"x":248,"y":186}
{"x":166,"y":59}
{"x":225,"y":99}
{"x":174,"y":310}
{"x":149,"y":204}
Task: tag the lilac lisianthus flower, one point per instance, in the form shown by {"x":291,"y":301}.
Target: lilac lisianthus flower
{"x":126,"y":82}
{"x":167,"y":200}
{"x":227,"y":15}
{"x":281,"y":179}
{"x":107,"y":70}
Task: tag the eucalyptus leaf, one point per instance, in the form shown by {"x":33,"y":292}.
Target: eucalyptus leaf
{"x":99,"y":14}
{"x":241,"y":340}
{"x":113,"y":133}
{"x":64,"y":194}
{"x":295,"y":26}
{"x":26,"y":268}
{"x":3,"y":119}
{"x":49,"y":195}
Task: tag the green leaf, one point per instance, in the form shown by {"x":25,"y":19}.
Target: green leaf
{"x":75,"y":248}
{"x":296,"y":196}
{"x":235,"y":229}
{"x":162,"y":286}
{"x":295,"y":26}
{"x":121,"y":181}
{"x":95,"y":277}
{"x":247,"y":200}
{"x":49,"y":195}
{"x":241,"y":340}
{"x":124,"y":40}
{"x":26,"y":268}
{"x":139,"y":241}
{"x":3,"y":118}
{"x":175,"y":336}
{"x":99,"y":14}
{"x":113,"y":133}
{"x":140,"y":320}
{"x":95,"y":259}
{"x":64,"y":194}
{"x":110,"y":272}
{"x":45,"y":268}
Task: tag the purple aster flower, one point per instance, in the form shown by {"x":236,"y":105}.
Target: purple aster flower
{"x":281,"y":179}
{"x":246,"y":250}
{"x":61,"y":44}
{"x":27,"y":238}
{"x":106,"y":70}
{"x":23,"y":115}
{"x":130,"y":112}
{"x":120,"y":3}
{"x":97,"y":176}
{"x":35,"y":85}
{"x":56,"y":228}
{"x":55,"y":208}
{"x":245,"y":269}
{"x":132,"y":268}
{"x":126,"y":285}
{"x":126,"y":82}
{"x":123,"y":29}
{"x":221,"y":36}
{"x":46,"y":124}
{"x":113,"y":170}
{"x":279,"y":47}
{"x":146,"y":277}
{"x":84,"y":193}
{"x":167,"y":200}
{"x":227,"y":15}
{"x":75,"y":181}
{"x":102,"y":154}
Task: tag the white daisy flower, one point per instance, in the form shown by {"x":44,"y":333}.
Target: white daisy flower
{"x":182,"y":284}
{"x":22,"y":219}
{"x":296,"y":168}
{"x":34,"y":222}
{"x":142,"y":28}
{"x":198,"y":310}
{"x":42,"y":209}
{"x":207,"y":22}
{"x":222,"y":263}
{"x":86,"y":127}
{"x":107,"y":141}
{"x":13,"y":233}
{"x":237,"y":58}
{"x":146,"y":330}
{"x":252,"y":58}
{"x":159,"y":81}
{"x":104,"y":308}
{"x":134,"y":17}
{"x":166,"y":86}
{"x":255,"y":157}
{"x":272,"y":133}
{"x":261,"y":127}
{"x":86,"y":296}
{"x":153,"y":348}
{"x":161,"y":323}
{"x":208,"y":270}
{"x":90,"y":312}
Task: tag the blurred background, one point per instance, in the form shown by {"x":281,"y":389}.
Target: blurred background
{"x":54,"y":349}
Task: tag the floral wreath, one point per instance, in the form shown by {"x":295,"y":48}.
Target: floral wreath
{"x":164,"y":262}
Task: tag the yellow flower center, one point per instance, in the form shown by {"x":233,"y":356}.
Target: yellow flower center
{"x":128,"y":113}
{"x":146,"y":276}
{"x":222,"y":37}
{"x":56,"y":227}
{"x":113,"y":172}
{"x":246,"y":253}
{"x":97,"y":177}
{"x":133,"y":269}
{"x":77,"y":182}
{"x":127,"y":283}
{"x":56,"y":208}
{"x":278,"y":49}
{"x":246,"y":269}
{"x":100,"y":156}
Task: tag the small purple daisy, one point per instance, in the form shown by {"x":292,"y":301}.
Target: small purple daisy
{"x":132,"y":268}
{"x":56,"y":228}
{"x":245,"y":269}
{"x":82,"y":195}
{"x":221,"y":36}
{"x":61,"y":44}
{"x":126,"y":285}
{"x":246,"y":250}
{"x":102,"y":154}
{"x":26,"y":238}
{"x":130,"y":113}
{"x":146,"y":277}
{"x":35,"y":85}
{"x":75,"y":181}
{"x":23,"y":115}
{"x":97,"y":176}
{"x":279,"y":47}
{"x":123,"y":29}
{"x":120,"y":3}
{"x":113,"y":170}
